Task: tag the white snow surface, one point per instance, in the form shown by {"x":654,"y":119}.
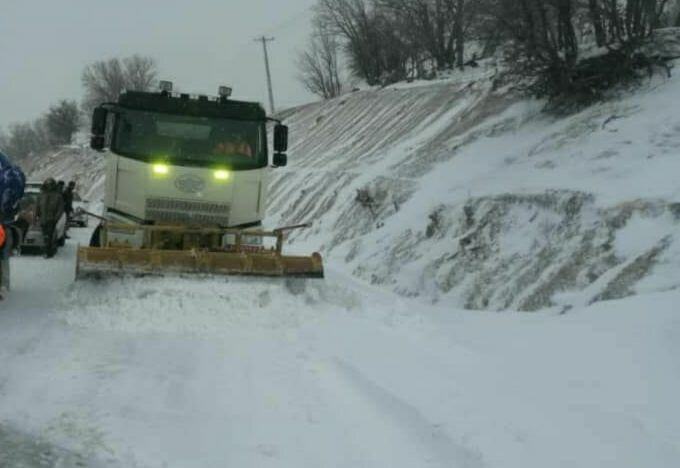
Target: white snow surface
{"x":476,"y":200}
{"x":211,"y":373}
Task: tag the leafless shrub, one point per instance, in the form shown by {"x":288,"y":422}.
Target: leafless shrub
{"x":62,"y":121}
{"x":103,"y":81}
{"x":318,"y":66}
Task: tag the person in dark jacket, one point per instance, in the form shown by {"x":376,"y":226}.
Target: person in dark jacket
{"x":68,"y":199}
{"x":49,"y":209}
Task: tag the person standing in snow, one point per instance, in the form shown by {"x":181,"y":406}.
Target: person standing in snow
{"x":49,"y":209}
{"x":68,"y":199}
{"x":68,"y":202}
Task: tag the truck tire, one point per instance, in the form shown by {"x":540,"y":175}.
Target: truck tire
{"x":95,"y":240}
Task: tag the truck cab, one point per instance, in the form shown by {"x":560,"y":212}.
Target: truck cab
{"x":178,"y":159}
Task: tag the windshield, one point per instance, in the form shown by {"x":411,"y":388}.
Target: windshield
{"x":189,"y":140}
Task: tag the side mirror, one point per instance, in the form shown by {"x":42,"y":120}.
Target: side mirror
{"x":280,"y":160}
{"x":280,"y":138}
{"x":98,"y":139}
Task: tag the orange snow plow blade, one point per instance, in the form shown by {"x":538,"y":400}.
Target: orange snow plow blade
{"x":96,"y":261}
{"x":115,"y":259}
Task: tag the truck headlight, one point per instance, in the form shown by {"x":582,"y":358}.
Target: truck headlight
{"x":160,"y":169}
{"x":221,"y":174}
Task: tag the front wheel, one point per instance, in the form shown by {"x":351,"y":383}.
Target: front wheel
{"x":95,"y":240}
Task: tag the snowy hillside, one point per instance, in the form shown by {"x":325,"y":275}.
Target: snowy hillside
{"x":77,"y":163}
{"x":468,"y":195}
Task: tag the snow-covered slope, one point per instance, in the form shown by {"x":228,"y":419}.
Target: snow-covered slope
{"x":467,"y":194}
{"x":78,"y":163}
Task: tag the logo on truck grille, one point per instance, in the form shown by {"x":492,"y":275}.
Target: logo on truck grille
{"x":189,"y":183}
{"x":190,"y":212}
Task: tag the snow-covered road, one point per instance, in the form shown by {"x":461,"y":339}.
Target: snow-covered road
{"x":213,"y":373}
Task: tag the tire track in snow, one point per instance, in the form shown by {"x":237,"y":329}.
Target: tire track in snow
{"x":433,"y":437}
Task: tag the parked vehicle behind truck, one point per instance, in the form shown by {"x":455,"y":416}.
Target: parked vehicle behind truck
{"x":79,"y":217}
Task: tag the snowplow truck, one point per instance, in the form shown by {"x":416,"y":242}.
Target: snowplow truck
{"x":186,"y":186}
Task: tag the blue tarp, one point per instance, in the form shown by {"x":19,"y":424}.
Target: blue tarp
{"x":12,"y":184}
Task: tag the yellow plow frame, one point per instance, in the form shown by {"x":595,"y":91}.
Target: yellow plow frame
{"x":193,"y":251}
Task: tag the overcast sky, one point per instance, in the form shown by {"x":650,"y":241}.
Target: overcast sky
{"x":199,"y":44}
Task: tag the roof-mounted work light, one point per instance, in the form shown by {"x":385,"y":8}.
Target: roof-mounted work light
{"x":224,"y":91}
{"x":166,"y":86}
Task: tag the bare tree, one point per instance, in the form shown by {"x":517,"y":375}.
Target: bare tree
{"x":62,"y":121}
{"x":105,"y":80}
{"x":541,"y":39}
{"x":625,"y":23}
{"x":318,"y":66}
{"x":374,"y":49}
{"x":388,"y":40}
{"x":42,"y":134}
{"x":432,"y":25}
{"x":24,"y":139}
{"x":140,"y":72}
{"x":459,"y":32}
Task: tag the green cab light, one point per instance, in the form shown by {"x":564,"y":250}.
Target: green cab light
{"x":221,"y":174}
{"x":160,"y":169}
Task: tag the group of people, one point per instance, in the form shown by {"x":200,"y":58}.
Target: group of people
{"x":54,"y":200}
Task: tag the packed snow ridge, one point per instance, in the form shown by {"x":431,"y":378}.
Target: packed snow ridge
{"x":464,"y":192}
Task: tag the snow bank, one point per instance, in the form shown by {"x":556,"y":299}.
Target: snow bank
{"x":200,"y":306}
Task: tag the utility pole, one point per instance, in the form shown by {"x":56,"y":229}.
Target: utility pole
{"x":264,"y":41}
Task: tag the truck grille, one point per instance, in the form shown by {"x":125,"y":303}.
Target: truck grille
{"x":187,"y":212}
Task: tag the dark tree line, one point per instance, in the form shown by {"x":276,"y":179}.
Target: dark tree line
{"x":547,"y":40}
{"x":384,"y":41}
{"x":56,"y":127}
